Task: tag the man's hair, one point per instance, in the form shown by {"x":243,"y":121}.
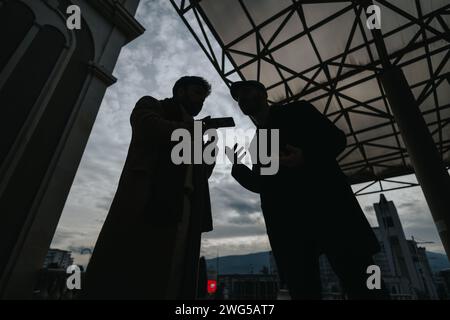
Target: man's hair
{"x":185,"y":81}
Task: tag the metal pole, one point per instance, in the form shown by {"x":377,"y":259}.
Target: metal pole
{"x":423,"y":153}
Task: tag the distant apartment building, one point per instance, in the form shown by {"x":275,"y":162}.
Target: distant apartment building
{"x":58,"y":259}
{"x":51,"y":280}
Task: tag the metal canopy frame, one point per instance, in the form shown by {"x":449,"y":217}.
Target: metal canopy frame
{"x":328,"y":81}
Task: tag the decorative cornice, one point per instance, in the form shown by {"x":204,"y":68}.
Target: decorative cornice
{"x":117,"y":14}
{"x":101,"y":73}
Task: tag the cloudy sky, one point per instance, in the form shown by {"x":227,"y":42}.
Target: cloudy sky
{"x":149,"y":66}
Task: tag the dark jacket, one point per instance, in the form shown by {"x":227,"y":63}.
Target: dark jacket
{"x":131,"y":258}
{"x":314,"y":202}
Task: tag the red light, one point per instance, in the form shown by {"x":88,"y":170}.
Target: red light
{"x":212,"y":286}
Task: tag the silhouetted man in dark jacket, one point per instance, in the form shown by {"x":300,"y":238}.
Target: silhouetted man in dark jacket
{"x":150,"y":242}
{"x":308,"y":206}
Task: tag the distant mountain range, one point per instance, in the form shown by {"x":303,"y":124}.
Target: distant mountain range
{"x":255,"y":262}
{"x":240,"y":264}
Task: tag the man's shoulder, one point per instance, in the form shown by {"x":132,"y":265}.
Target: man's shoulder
{"x":292,"y":108}
{"x":147,"y":100}
{"x":148,"y":104}
{"x":145,"y":105}
{"x":300,"y":104}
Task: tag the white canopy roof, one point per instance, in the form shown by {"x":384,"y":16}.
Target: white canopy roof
{"x":322,"y":51}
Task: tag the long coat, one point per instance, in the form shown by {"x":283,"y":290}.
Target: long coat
{"x":133,"y":256}
{"x":313,"y":204}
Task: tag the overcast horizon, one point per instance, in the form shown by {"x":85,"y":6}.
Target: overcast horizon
{"x":149,"y":66}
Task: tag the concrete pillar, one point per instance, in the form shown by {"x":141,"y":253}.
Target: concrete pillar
{"x":423,"y":153}
{"x":38,"y":171}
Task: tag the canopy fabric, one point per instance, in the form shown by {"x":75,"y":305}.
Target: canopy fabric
{"x":323,"y":52}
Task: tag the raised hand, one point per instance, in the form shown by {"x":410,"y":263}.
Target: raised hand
{"x":236,"y":154}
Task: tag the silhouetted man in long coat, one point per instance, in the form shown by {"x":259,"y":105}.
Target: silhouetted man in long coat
{"x":308,"y":206}
{"x":149,"y":245}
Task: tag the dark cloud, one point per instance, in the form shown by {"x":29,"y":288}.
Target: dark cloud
{"x":232,"y":197}
{"x":63,"y":234}
{"x":104,"y":203}
{"x":80,"y":250}
{"x":414,"y":205}
{"x":246,"y":219}
{"x":230,"y":231}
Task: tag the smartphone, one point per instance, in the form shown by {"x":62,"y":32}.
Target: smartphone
{"x":217,"y":123}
